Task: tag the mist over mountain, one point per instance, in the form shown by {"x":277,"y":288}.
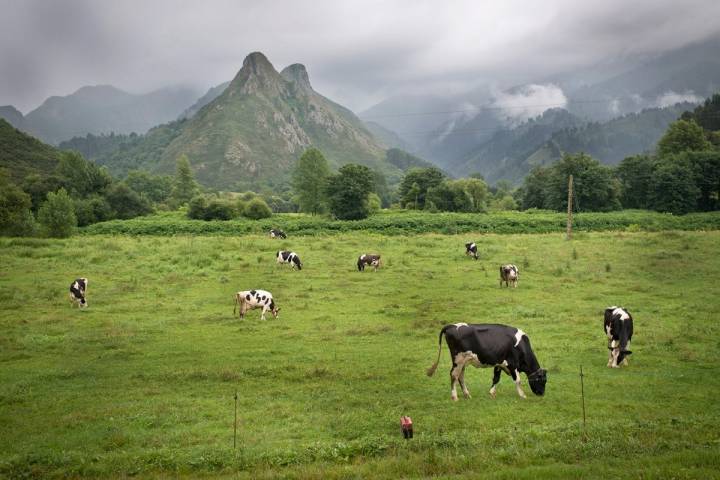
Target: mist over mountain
{"x":102,"y":109}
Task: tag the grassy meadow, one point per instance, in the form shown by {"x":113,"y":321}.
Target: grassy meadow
{"x":141,"y":382}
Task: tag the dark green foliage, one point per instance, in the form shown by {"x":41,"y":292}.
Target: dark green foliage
{"x":706,"y":115}
{"x":184,"y":185}
{"x":38,"y":186}
{"x":707,"y":178}
{"x":127,"y":203}
{"x":257,"y":209}
{"x":22,"y":155}
{"x":416,"y":183}
{"x":57,"y":215}
{"x":594,"y":185}
{"x":16,"y":219}
{"x":80,"y":177}
{"x":218,"y":209}
{"x":308,"y":181}
{"x":682,"y":136}
{"x":347,"y":192}
{"x":449,"y":196}
{"x":92,"y":209}
{"x":673,"y":187}
{"x":635,"y":174}
{"x":279,"y":204}
{"x":155,"y":188}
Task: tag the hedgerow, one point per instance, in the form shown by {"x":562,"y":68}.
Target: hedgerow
{"x":409,"y":222}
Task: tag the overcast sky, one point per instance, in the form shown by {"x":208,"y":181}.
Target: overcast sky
{"x":356,"y":52}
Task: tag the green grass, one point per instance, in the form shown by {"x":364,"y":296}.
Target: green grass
{"x":141,"y":382}
{"x":399,"y":222}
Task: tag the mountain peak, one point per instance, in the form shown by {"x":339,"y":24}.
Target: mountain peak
{"x":257,"y":63}
{"x":297,"y":73}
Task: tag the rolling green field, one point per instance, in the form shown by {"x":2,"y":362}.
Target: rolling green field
{"x":141,"y":382}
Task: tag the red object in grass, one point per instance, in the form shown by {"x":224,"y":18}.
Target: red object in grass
{"x":406,"y":425}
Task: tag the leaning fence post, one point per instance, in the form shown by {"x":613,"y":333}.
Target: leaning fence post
{"x":235,"y":424}
{"x":582,"y":394}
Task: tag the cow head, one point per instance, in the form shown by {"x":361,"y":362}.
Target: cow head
{"x":622,"y":355}
{"x":275,"y":310}
{"x":83,"y":303}
{"x":537,"y":381}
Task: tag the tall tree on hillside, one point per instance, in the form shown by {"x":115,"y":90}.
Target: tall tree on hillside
{"x":184,"y":186}
{"x":308,"y":181}
{"x":477,"y":189}
{"x":425,"y":178}
{"x":347,"y":192}
{"x":81,"y":177}
{"x":535,"y":188}
{"x":683,"y":136}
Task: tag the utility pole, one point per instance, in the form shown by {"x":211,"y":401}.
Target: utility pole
{"x":568,"y":235}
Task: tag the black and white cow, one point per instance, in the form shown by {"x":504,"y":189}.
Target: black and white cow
{"x":289,"y":257}
{"x":277,"y":233}
{"x":490,"y":345}
{"x":509,"y":275}
{"x":78,"y":292}
{"x":471,"y":249}
{"x":618,"y":327}
{"x":368,"y":259}
{"x":252,"y":299}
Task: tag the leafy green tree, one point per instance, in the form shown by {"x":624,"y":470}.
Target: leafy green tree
{"x":16,"y":219}
{"x":425,"y":178}
{"x":595,"y":188}
{"x":347,"y":192}
{"x":156,"y":188}
{"x":450,"y":196}
{"x":38,"y":187}
{"x":381,"y":189}
{"x":57,"y":215}
{"x":81,"y":177}
{"x":413,"y":192}
{"x":673,"y":187}
{"x":535,"y":188}
{"x":91,"y":210}
{"x":184,"y":185}
{"x":707,"y":178}
{"x":308,"y":181}
{"x":126,"y":202}
{"x":374,"y":202}
{"x":635,"y":174}
{"x":682,"y":136}
{"x":477,"y":189}
{"x":257,"y":209}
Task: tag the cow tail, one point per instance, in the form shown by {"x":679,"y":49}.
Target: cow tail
{"x":430,"y":371}
{"x":236,"y":304}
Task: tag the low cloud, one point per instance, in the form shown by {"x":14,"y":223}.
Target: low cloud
{"x":529,"y":101}
{"x":670,"y":98}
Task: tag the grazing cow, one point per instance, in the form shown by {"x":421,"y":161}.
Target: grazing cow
{"x":368,"y":259}
{"x":619,"y":330}
{"x":509,"y":274}
{"x":252,"y":299}
{"x":78,"y":292}
{"x":277,"y":233}
{"x":471,"y":249}
{"x":289,"y":257}
{"x":489,"y":345}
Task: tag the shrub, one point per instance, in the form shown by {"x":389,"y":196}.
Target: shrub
{"x":57,"y":215}
{"x":126,"y":202}
{"x":257,"y":209}
{"x":91,"y":210}
{"x":15,"y":216}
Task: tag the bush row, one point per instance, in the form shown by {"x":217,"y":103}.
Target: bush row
{"x":407,"y":222}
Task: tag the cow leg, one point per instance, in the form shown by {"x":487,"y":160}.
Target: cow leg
{"x":466,"y":392}
{"x":516,"y":378}
{"x":262,"y":315}
{"x":625,"y":360}
{"x":610,"y":357}
{"x":496,"y":380}
{"x":454,"y":375}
